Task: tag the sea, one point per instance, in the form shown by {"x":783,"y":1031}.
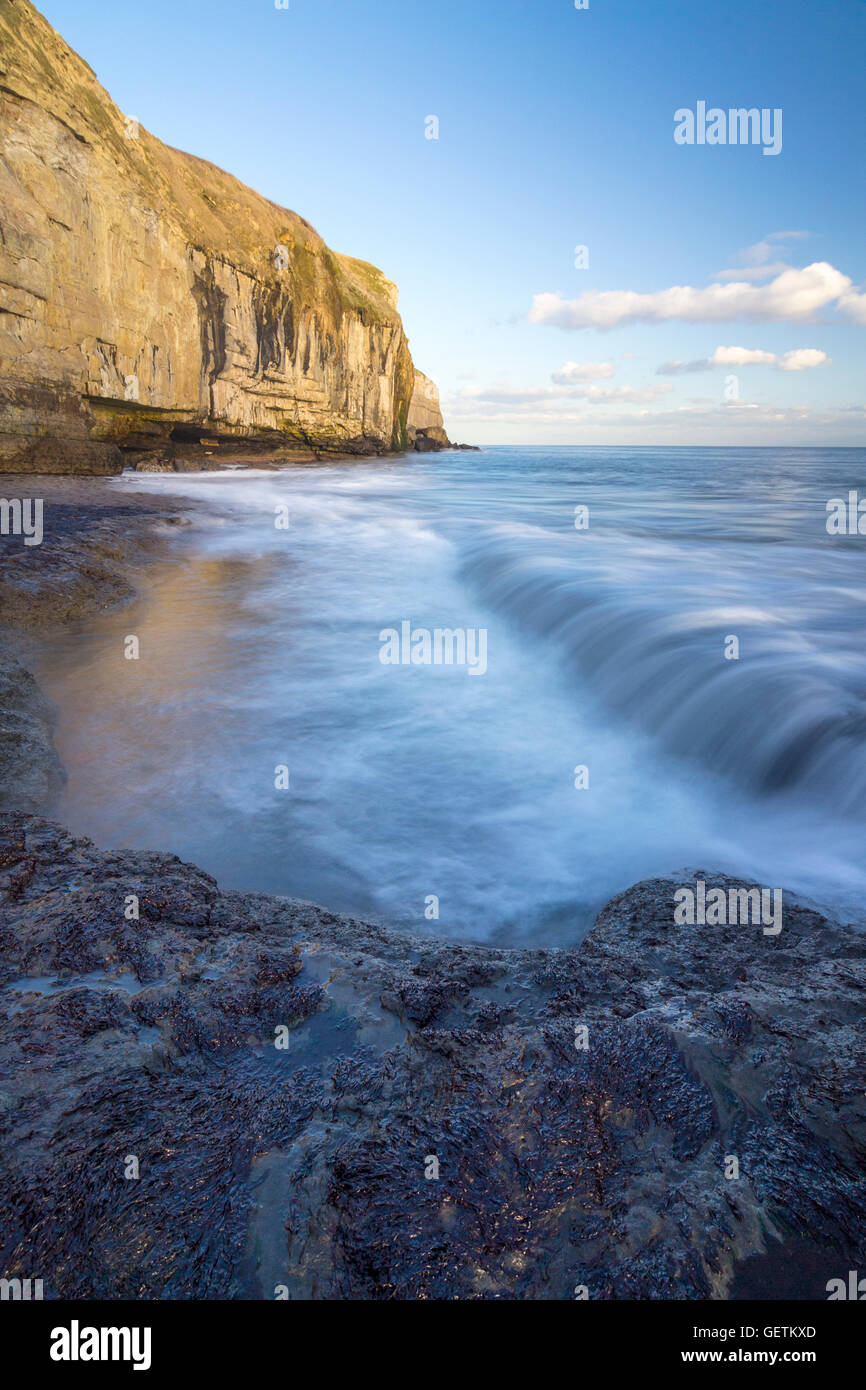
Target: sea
{"x":478,"y":694}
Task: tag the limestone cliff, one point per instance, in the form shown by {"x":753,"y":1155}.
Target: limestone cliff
{"x":151,"y":304}
{"x":426,"y":428}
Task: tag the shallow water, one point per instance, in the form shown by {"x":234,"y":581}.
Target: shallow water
{"x":605,"y":648}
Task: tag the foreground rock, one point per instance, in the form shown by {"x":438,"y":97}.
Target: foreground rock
{"x":83,"y":565}
{"x":149,"y":1046}
{"x":95,"y":544}
{"x":155,"y":309}
{"x":31,"y":773}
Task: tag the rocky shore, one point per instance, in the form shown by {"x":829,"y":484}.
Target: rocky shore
{"x":91,"y":546}
{"x":212,"y":1094}
{"x":238,"y":1096}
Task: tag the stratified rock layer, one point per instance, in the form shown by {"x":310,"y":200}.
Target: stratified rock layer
{"x":150,"y":301}
{"x":426,"y":427}
{"x":156,"y":1142}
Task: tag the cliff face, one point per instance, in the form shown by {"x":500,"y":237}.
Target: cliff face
{"x":149,"y":301}
{"x":426,"y":428}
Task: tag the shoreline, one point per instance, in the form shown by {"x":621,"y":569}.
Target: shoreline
{"x":85,"y":563}
{"x":321,"y":1108}
{"x":557,"y":1167}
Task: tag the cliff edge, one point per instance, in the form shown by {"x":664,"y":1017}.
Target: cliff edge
{"x":154,"y":309}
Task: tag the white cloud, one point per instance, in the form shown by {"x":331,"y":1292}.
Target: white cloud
{"x":754,"y":261}
{"x":761,"y":252}
{"x":740,"y":421}
{"x":741,"y":357}
{"x":796,"y":360}
{"x":793,"y":295}
{"x":676,"y":367}
{"x":581,"y":371}
{"x":551,"y":400}
{"x":752,"y":272}
{"x":625,"y":393}
{"x":853,"y":306}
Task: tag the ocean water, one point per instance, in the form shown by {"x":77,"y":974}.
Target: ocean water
{"x":260,"y":648}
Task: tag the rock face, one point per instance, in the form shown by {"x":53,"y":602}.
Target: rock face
{"x":426,"y":428}
{"x":428,"y":1129}
{"x":150,"y":303}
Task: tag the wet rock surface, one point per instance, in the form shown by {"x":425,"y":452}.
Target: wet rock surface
{"x":92,"y":543}
{"x":31,"y":773}
{"x":302,"y":1170}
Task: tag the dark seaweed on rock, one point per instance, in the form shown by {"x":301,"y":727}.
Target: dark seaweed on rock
{"x":302,"y":1169}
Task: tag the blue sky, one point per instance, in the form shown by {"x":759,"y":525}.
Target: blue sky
{"x":556,"y":129}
